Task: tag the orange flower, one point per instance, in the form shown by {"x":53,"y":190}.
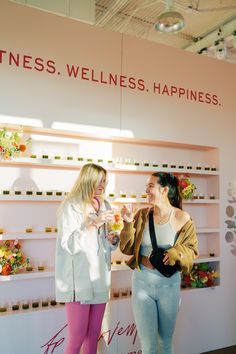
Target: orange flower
{"x":22,"y":147}
{"x":6,"y":269}
{"x":117,"y":218}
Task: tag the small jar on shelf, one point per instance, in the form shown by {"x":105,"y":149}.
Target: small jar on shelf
{"x":115,"y":293}
{"x":33,"y":156}
{"x":146,"y":163}
{"x":181,"y":165}
{"x":189,"y":166}
{"x":53,"y":301}
{"x":29,"y":229}
{"x":6,"y":191}
{"x":41,"y":266}
{"x":133,"y":195}
{"x":45,"y":302}
{"x":3,"y":306}
{"x":29,"y":191}
{"x":123,"y":194}
{"x":45,"y":156}
{"x":124,"y":292}
{"x":165,"y":164}
{"x":35,"y":303}
{"x":172,"y":165}
{"x":25,"y":304}
{"x":198,"y":167}
{"x":29,"y":267}
{"x":212,"y":196}
{"x":17,"y":191}
{"x":15,"y":306}
{"x":211,"y":254}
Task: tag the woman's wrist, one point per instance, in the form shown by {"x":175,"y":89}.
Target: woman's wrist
{"x":94,"y":224}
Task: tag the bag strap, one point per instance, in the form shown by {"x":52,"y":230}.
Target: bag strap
{"x":152,"y":231}
{"x":107,"y":205}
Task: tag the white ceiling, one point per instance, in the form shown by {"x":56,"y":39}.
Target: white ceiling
{"x":209,"y":28}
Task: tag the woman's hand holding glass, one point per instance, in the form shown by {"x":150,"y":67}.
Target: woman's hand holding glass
{"x":103,"y":218}
{"x":114,"y":227}
{"x":127,"y":213}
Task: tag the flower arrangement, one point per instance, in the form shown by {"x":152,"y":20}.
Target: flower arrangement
{"x":201,"y":276}
{"x":12,"y":144}
{"x":11,"y":257}
{"x":186,"y":187}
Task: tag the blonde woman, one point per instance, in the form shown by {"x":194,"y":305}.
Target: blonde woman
{"x":83,"y":258}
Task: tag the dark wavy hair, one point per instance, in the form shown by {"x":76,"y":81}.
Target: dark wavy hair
{"x":168,"y":180}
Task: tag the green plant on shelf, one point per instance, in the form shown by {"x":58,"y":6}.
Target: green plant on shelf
{"x":187,"y":188}
{"x":12,"y":144}
{"x":11,"y":257}
{"x":201,"y":276}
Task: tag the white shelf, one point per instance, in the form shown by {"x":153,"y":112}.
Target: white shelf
{"x":201,"y":201}
{"x":31,"y":310}
{"x":50,"y":272}
{"x":99,"y":137}
{"x":207,"y":230}
{"x":111,"y":167}
{"x":203,"y":259}
{"x":28,"y":236}
{"x":47,"y":273}
{"x":53,"y":235}
{"x":30,"y":198}
{"x":118,"y":200}
{"x":23,"y":275}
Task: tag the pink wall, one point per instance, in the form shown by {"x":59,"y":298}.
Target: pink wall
{"x":53,"y":97}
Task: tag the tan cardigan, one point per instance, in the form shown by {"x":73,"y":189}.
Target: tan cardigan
{"x":184,"y":251}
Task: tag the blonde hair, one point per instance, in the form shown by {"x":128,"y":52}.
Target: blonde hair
{"x":84,"y":187}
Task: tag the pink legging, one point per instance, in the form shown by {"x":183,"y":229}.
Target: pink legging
{"x":84,"y":326}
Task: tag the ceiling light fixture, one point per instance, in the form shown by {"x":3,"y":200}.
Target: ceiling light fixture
{"x":169,"y":21}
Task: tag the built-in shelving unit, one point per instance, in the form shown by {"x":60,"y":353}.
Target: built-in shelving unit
{"x":21,"y":210}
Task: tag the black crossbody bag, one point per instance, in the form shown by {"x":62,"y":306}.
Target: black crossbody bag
{"x":158,"y":253}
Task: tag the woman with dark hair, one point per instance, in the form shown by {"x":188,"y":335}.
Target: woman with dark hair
{"x":168,"y":234}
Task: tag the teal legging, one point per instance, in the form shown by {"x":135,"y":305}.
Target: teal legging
{"x":84,"y":326}
{"x":155,"y":301}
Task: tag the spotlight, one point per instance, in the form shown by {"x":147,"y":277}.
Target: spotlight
{"x":220,"y":50}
